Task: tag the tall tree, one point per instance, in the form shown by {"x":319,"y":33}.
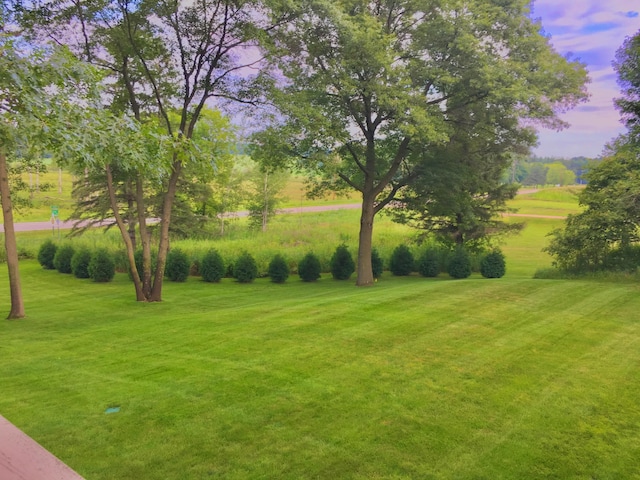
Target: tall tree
{"x":558,"y":174}
{"x":600,"y":236}
{"x":460,"y":196}
{"x":371,"y":86}
{"x":37,"y":88}
{"x":161,"y":56}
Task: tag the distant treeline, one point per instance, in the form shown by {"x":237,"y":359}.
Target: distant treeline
{"x":550,"y":170}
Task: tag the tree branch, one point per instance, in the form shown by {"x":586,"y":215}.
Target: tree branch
{"x":401,"y":154}
{"x":350,"y":182}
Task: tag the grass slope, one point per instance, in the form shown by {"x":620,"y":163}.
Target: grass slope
{"x":412,"y":378}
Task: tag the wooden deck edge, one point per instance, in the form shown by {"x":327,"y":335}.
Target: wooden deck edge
{"x":22,"y":458}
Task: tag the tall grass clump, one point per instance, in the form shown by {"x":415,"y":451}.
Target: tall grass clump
{"x":62,"y":258}
{"x":309,"y":268}
{"x":402,"y":261}
{"x":212,"y":266}
{"x":278,"y":269}
{"x":342,"y":264}
{"x":102,"y":267}
{"x":46,"y":254}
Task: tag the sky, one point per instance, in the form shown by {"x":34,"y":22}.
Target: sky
{"x":591,"y":31}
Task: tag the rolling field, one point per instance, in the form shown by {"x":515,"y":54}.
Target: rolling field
{"x":413,"y":378}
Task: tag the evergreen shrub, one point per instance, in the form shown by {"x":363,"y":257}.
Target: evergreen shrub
{"x":212,"y":266}
{"x":245,"y":269}
{"x":402,"y":261}
{"x":429,"y":263}
{"x":278,"y":269}
{"x":62,"y":258}
{"x":493,"y":265}
{"x":342,"y":264}
{"x":459,"y":264}
{"x":178,"y":265}
{"x":376,"y":263}
{"x":46,"y":253}
{"x":309,"y":268}
{"x":101,"y":267}
{"x":80,"y":263}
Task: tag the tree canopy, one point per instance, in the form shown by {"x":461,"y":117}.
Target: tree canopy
{"x":372,"y":88}
{"x":627,"y":65}
{"x":605,"y":235}
{"x":39,"y":89}
{"x":161,"y":58}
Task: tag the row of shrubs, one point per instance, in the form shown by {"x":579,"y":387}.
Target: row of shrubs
{"x":83,"y":263}
{"x":100,"y":266}
{"x":457,"y":263}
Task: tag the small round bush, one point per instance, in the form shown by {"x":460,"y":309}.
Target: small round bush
{"x":245,"y":269}
{"x":80,"y":263}
{"x":429,"y":264}
{"x":401,"y":262}
{"x":309,"y":268}
{"x":376,"y":263}
{"x":46,"y":253}
{"x":101,"y":267}
{"x":459,"y":264}
{"x":62,"y":258}
{"x":212,"y":266}
{"x":342,"y":264}
{"x":178,"y":265}
{"x":278,"y":269}
{"x":493,"y":265}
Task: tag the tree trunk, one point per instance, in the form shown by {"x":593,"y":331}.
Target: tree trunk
{"x":140,"y":297}
{"x":265,"y":199}
{"x":365,"y":271}
{"x":11,"y":247}
{"x":144,"y":238}
{"x":131,"y":217}
{"x":163,"y":247}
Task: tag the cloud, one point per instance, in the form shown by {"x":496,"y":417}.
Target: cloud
{"x":592,"y":31}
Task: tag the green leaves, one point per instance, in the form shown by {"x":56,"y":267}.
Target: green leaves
{"x":627,"y":64}
{"x":600,"y":235}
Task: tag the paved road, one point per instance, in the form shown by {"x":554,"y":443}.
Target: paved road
{"x":67,"y":225}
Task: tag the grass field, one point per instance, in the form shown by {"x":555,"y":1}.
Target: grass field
{"x":413,"y":378}
{"x":559,"y":201}
{"x":59,"y":194}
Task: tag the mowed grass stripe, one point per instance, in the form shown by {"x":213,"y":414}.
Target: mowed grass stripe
{"x":413,"y":378}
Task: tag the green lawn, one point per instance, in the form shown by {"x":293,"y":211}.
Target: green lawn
{"x":413,"y":378}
